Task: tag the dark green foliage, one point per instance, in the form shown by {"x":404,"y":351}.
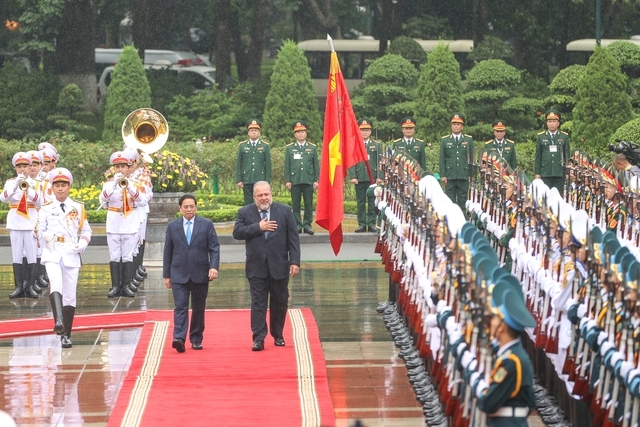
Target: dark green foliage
{"x":210,"y":113}
{"x":522,"y":116}
{"x":602,"y":103}
{"x":491,"y":47}
{"x":386,"y":95}
{"x":71,"y":117}
{"x":291,"y":98}
{"x":166,"y":85}
{"x":427,"y":27}
{"x":563,"y":90}
{"x":26,"y":100}
{"x":628,"y":56}
{"x":489,"y":84}
{"x":629,"y":131}
{"x":439,"y":94}
{"x":128,"y":91}
{"x":409,"y":49}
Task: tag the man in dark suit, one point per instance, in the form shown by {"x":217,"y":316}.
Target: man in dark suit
{"x":191,"y":260}
{"x":273,"y":253}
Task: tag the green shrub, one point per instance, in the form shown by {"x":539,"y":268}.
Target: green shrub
{"x":409,"y":49}
{"x":491,"y":47}
{"x":563,"y":90}
{"x":128,"y":91}
{"x":291,"y":98}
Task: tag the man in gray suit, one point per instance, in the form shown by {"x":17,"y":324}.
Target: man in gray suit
{"x":273,"y":253}
{"x":191,"y":260}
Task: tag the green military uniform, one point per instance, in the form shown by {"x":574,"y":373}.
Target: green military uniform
{"x":552,"y":152}
{"x":455,"y":154}
{"x":366,"y":214}
{"x":253,"y":164}
{"x":301,"y":170}
{"x":414,"y":148}
{"x":505,"y":149}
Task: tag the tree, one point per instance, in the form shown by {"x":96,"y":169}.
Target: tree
{"x":439,"y":93}
{"x":409,"y":49}
{"x":385,"y":96}
{"x":71,"y":115}
{"x":563,"y":90}
{"x":602,"y":102}
{"x":491,"y":47}
{"x":128,"y":91}
{"x":291,"y":97}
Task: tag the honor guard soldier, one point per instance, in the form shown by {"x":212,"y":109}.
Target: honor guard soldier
{"x":410,"y":145}
{"x":66,"y":232}
{"x":22,"y":200}
{"x":301,"y":174}
{"x":119,"y":196}
{"x":507,"y":397}
{"x":552,"y":152}
{"x":456,"y":153}
{"x":253,"y":162}
{"x":360,"y":178}
{"x":501,"y":146}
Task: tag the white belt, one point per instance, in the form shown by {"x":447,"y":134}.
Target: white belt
{"x":509,"y":411}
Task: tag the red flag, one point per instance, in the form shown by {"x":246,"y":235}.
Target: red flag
{"x":342,"y":148}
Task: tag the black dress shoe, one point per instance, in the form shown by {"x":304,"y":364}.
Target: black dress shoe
{"x":279,"y":342}
{"x":197,"y":346}
{"x":308,"y":231}
{"x":178,"y":344}
{"x":361,"y":229}
{"x":66,"y":341}
{"x":257,"y":346}
{"x":372,"y":229}
{"x":380,"y":308}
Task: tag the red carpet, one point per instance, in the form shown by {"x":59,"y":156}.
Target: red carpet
{"x":226,"y":384}
{"x":84,"y":322}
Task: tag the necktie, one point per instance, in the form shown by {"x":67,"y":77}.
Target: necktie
{"x":457,"y":139}
{"x":188,"y":232}
{"x":263,"y":215}
{"x":62,"y":206}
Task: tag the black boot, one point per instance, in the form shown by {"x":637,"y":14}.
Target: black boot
{"x":68,"y":312}
{"x":56,"y":307}
{"x":42,"y":281}
{"x":33,"y":270}
{"x":17,"y":278}
{"x":127,"y":275}
{"x":25,"y":273}
{"x":139,"y":278}
{"x":143,"y":271}
{"x":29,"y":290}
{"x":114,"y":269}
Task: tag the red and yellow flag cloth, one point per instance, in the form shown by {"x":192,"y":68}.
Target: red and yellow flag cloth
{"x":342,"y":148}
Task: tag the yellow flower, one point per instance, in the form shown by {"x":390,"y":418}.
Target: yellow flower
{"x":180,"y":184}
{"x":176,"y":171}
{"x":193,"y":183}
{"x":164,"y":185}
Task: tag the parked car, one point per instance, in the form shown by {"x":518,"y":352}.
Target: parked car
{"x":201,"y":76}
{"x":107,"y":57}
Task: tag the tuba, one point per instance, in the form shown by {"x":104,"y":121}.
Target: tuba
{"x":145,"y":130}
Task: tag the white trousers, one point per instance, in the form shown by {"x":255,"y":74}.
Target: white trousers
{"x":64,"y":280}
{"x":121,"y":246}
{"x":22,"y":244}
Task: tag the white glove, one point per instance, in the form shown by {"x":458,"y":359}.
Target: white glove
{"x":606,"y":346}
{"x":48,"y":238}
{"x":431,"y":320}
{"x":467,"y":358}
{"x":582,"y":310}
{"x":625,"y":368}
{"x":442,"y":304}
{"x":81,"y":246}
{"x":116,"y":180}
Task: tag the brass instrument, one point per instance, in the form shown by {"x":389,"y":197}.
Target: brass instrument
{"x":145,"y":130}
{"x":123,"y":183}
{"x":23,"y":185}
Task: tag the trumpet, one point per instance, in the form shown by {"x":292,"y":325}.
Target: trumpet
{"x":23,"y":185}
{"x":123,"y":183}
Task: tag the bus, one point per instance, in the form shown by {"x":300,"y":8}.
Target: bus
{"x":589,"y":45}
{"x":353,"y":55}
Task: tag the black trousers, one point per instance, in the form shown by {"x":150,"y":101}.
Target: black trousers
{"x":181,"y":293}
{"x":274,"y":292}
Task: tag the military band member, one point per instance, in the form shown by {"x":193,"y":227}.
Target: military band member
{"x":253,"y":162}
{"x":456,"y":152}
{"x":22,"y":199}
{"x":501,"y":146}
{"x":119,"y":196}
{"x":301,"y":174}
{"x":360,"y":178}
{"x":552,"y":152}
{"x":410,"y":145}
{"x":36,"y":179}
{"x":66,"y":232}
